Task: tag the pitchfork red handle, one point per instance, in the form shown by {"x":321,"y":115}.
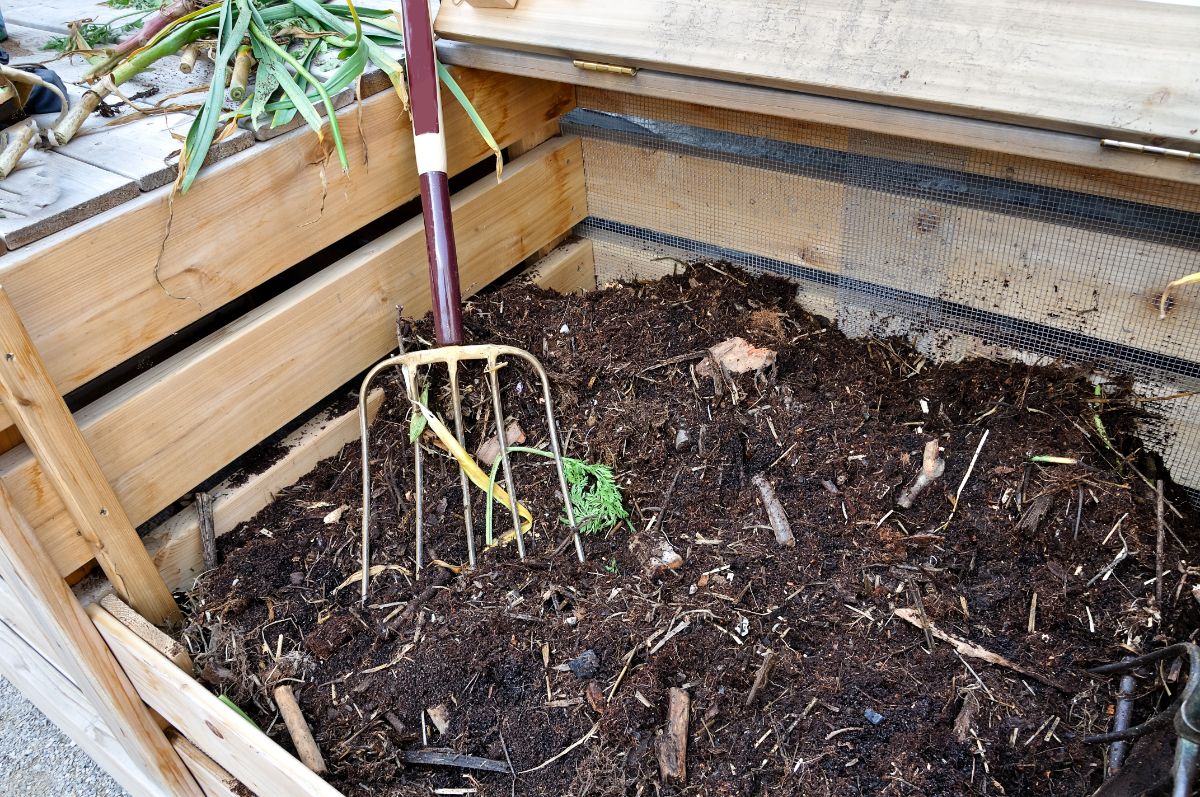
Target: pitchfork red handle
{"x":429,"y":141}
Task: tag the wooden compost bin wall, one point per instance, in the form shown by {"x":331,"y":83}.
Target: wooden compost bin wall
{"x":95,"y":295}
{"x":1019,"y":270}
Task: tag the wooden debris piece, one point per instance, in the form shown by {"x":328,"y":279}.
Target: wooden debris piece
{"x":775,"y":514}
{"x":971,"y":650}
{"x":149,"y":634}
{"x":208,"y":530}
{"x":932,"y":468}
{"x":737,"y":356}
{"x":761,"y":677}
{"x":302,"y":738}
{"x":672,"y":745}
{"x":489,"y":450}
{"x":445,"y":757}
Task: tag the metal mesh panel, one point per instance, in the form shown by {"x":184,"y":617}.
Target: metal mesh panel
{"x":963,"y":251}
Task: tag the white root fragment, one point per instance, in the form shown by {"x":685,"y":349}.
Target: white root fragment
{"x":932,"y":468}
{"x":775,"y":514}
{"x":17,"y":144}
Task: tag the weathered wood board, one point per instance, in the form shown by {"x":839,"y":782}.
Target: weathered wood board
{"x":1094,"y":67}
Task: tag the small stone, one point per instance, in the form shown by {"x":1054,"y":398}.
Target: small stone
{"x":296,"y":578}
{"x":683,"y":440}
{"x":585,"y":665}
{"x":873,"y":716}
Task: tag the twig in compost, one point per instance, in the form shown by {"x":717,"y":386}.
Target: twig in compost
{"x":775,"y":514}
{"x":208,"y":533}
{"x":563,"y":752}
{"x":445,"y":757}
{"x":297,"y":726}
{"x":761,"y":677}
{"x":915,"y":591}
{"x":970,"y":468}
{"x":971,"y":650}
{"x":932,"y":468}
{"x":1120,"y":557}
{"x":1158,"y":550}
{"x":672,"y":745}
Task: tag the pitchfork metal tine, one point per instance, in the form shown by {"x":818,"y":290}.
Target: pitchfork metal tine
{"x":456,"y":400}
{"x":498,"y":411}
{"x":410,"y":386}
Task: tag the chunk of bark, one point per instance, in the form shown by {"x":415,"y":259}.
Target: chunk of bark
{"x":672,"y":744}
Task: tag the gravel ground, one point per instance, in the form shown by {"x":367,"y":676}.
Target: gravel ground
{"x":37,"y":760}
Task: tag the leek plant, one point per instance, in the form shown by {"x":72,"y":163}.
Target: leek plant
{"x":288,"y":40}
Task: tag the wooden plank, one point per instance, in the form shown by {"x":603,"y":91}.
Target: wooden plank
{"x":241,"y":749}
{"x":92,"y":296}
{"x":175,"y":545}
{"x":71,"y":470}
{"x":174,"y":425}
{"x":49,"y":192}
{"x":1069,"y":279}
{"x":1100,"y":166}
{"x":213,"y":781}
{"x":1096,"y":67}
{"x":74,"y":643}
{"x":569,"y":268}
{"x":149,"y":633}
{"x":965,"y":155}
{"x":763,"y":212}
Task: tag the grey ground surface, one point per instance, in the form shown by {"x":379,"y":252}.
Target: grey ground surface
{"x":36,"y":760}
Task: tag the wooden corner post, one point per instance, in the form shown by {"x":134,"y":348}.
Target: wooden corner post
{"x":33,"y":402}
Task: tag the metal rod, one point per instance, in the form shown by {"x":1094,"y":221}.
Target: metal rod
{"x":468,"y":522}
{"x":552,"y":426}
{"x":410,"y":385}
{"x":498,"y":410}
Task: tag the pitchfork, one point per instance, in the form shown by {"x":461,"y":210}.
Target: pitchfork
{"x":430,"y":146}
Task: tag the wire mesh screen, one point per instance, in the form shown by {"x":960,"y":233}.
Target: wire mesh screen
{"x":965,"y":252}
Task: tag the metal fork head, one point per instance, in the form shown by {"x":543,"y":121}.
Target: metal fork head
{"x":451,"y":356}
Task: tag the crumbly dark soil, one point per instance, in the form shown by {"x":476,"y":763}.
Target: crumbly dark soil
{"x":837,"y":426}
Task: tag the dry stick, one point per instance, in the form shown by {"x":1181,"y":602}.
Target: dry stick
{"x":297,"y":726}
{"x":973,"y":651}
{"x":760,"y":678}
{"x":1158,"y":550}
{"x":563,"y":752}
{"x":775,"y":514}
{"x":915,"y":592}
{"x":932,"y":468}
{"x":672,"y":745}
{"x":16,"y":145}
{"x":208,"y":532}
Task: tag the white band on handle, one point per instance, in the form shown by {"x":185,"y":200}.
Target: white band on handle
{"x":431,"y":152}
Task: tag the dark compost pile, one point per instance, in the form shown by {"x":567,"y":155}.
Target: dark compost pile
{"x":565,"y":669}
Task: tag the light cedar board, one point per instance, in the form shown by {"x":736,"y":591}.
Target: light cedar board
{"x":1044,"y":147}
{"x":1063,"y":277}
{"x":763,"y":212}
{"x":89,"y":296}
{"x":175,"y":545}
{"x":72,"y":471}
{"x":568,"y":268}
{"x":173,"y":426}
{"x":72,"y":641}
{"x":1090,"y":178}
{"x":1093,"y":67}
{"x":214,"y":781}
{"x":237,"y":746}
